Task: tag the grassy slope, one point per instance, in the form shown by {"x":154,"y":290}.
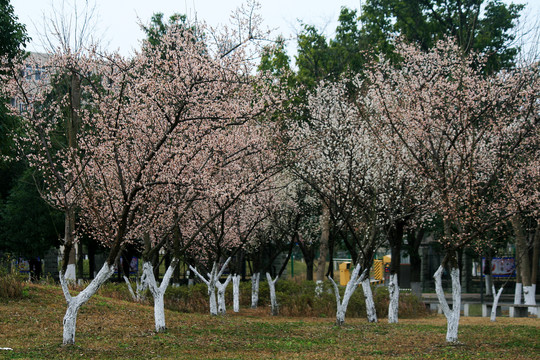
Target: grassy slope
{"x":109,"y":328}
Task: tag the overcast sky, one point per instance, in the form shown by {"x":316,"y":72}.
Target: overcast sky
{"x":117,"y":19}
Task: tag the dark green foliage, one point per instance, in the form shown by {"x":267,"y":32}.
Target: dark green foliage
{"x":483,"y":26}
{"x":12,"y":33}
{"x":28,"y":226}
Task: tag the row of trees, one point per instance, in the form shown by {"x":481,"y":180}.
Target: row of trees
{"x":187,"y":148}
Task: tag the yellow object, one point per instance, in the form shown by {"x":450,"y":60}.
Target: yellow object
{"x":377,"y":269}
{"x":344,"y":273}
{"x":387,"y":259}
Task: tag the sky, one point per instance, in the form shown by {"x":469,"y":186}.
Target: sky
{"x":117,"y":20}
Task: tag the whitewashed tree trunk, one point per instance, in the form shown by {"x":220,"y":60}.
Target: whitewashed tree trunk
{"x":393,"y":305}
{"x":158,"y":292}
{"x":70,"y":274}
{"x":74,"y":303}
{"x":213,"y":279}
{"x":222,"y":309}
{"x":236,"y":293}
{"x":517,"y":298}
{"x":273,"y":299}
{"x":349,"y":290}
{"x":452,"y":316}
{"x":529,"y":298}
{"x":496,"y":297}
{"x":141,"y":286}
{"x":370,"y":304}
{"x":488,"y":284}
{"x":318,"y":288}
{"x":255,"y":290}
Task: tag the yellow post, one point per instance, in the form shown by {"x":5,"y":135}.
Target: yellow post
{"x":344,"y":273}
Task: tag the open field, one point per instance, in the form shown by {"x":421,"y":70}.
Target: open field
{"x":110,"y":328}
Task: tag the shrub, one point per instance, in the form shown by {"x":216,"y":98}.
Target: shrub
{"x":11,"y":286}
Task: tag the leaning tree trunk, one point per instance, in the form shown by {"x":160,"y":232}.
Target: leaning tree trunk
{"x":255,"y":290}
{"x":75,"y":302}
{"x":370,"y":304}
{"x":236,"y":293}
{"x":452,"y":316}
{"x":349,"y":290}
{"x":141,"y":286}
{"x":273,"y":299}
{"x":158,"y":292}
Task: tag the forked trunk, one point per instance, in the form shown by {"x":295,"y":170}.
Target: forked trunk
{"x":211,"y":283}
{"x":370,"y":304}
{"x":452,"y":316}
{"x":353,"y":283}
{"x":255,"y":290}
{"x":393,"y":305}
{"x":75,"y":302}
{"x":222,"y":310}
{"x":273,"y":299}
{"x":496,"y":297}
{"x":158,"y":292}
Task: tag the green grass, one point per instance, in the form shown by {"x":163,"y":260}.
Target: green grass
{"x":117,"y":329}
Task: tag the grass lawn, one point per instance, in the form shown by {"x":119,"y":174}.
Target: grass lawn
{"x":116,"y":329}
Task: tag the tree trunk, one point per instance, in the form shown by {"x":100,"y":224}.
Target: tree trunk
{"x":518,"y":290}
{"x":236,"y":293}
{"x":222,"y":310}
{"x":353,"y":283}
{"x":452,"y":316}
{"x":414,"y":241}
{"x":211,"y":283}
{"x":158,"y":292}
{"x":74,"y":303}
{"x":273,"y":299}
{"x":255,"y":290}
{"x":323,"y":247}
{"x":525,"y":266}
{"x":393,"y":305}
{"x":496,"y":297}
{"x":69,"y":257}
{"x":370,"y":304}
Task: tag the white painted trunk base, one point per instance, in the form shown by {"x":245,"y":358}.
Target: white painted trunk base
{"x":353,"y":283}
{"x":70,"y":274}
{"x":370,"y":304}
{"x":529,"y":298}
{"x":518,"y":290}
{"x":452,"y":316}
{"x":212,"y":283}
{"x":222,"y":310}
{"x":236,"y":293}
{"x":495,"y":302}
{"x":488,"y":284}
{"x":393,"y":305}
{"x":158,"y":292}
{"x":255,"y":290}
{"x":75,"y":302}
{"x":273,"y":299}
